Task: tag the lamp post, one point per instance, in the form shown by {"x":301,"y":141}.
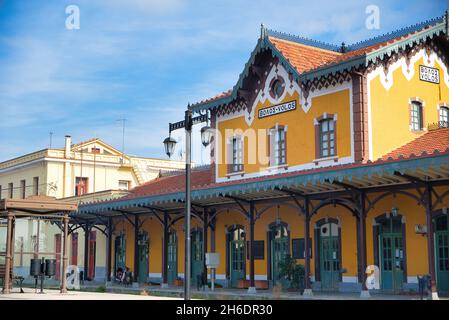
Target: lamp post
{"x":169,"y":144}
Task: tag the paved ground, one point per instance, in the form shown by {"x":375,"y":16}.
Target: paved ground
{"x":154,"y":292}
{"x":238,"y":294}
{"x":76,"y":295}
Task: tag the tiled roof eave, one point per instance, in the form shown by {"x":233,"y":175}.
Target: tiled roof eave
{"x":346,"y":65}
{"x":329,"y":174}
{"x":366,"y":59}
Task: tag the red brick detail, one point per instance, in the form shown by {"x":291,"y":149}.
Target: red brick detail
{"x":360,"y":118}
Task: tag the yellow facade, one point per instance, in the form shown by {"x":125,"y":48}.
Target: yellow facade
{"x":300,"y":131}
{"x":389,"y":106}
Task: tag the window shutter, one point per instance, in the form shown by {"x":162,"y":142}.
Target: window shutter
{"x":317,"y":141}
{"x":229,"y":155}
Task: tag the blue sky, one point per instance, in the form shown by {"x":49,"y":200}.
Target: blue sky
{"x":145,"y":60}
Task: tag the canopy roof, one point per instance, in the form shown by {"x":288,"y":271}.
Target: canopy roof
{"x":166,"y":194}
{"x":37,"y":206}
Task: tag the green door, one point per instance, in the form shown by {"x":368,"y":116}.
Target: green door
{"x":392,"y":261}
{"x":442,"y":254}
{"x":329,"y":257}
{"x":279,"y":251}
{"x":237,"y":260}
{"x":143,"y":257}
{"x":120,"y":252}
{"x":197,"y":255}
{"x":172,"y":257}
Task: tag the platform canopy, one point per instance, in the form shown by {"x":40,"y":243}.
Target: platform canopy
{"x":37,"y":206}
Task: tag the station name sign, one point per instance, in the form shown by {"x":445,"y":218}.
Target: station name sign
{"x":429,"y":74}
{"x":277,"y":109}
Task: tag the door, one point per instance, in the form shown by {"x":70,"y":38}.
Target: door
{"x":237,"y":260}
{"x":58,"y":256}
{"x":279,"y":251}
{"x":92,"y":254}
{"x":197,"y":255}
{"x":143,"y":248}
{"x":120,"y":253}
{"x":442,"y":254}
{"x":172,"y":257}
{"x":329,"y":256}
{"x":392,"y":261}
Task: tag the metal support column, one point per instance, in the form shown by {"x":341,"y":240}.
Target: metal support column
{"x":430,"y":241}
{"x":205,"y":243}
{"x":136,"y":251}
{"x":307,"y":284}
{"x":362,"y":244}
{"x":252,"y":283}
{"x":164,"y":283}
{"x":65,"y":253}
{"x":187,"y":263}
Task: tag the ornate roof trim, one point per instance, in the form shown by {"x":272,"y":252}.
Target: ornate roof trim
{"x":415,"y":34}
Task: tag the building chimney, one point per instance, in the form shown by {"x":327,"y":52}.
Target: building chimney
{"x":68,"y":146}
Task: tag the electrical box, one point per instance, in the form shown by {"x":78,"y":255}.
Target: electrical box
{"x":212,"y":260}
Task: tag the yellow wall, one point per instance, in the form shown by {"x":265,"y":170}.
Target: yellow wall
{"x":390,"y":108}
{"x":300,"y":129}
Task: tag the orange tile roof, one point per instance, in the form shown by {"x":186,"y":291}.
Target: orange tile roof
{"x":303,"y":57}
{"x":172,"y":183}
{"x":224,"y":94}
{"x":435,"y":141}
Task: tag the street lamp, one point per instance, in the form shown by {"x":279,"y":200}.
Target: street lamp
{"x":169,"y":144}
{"x":206,"y":135}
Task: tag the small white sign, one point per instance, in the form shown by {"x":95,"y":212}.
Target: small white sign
{"x":429,"y":74}
{"x":280,"y":108}
{"x":212,"y":260}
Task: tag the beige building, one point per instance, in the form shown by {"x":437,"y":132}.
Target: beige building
{"x":88,"y":171}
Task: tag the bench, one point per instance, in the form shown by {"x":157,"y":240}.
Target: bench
{"x":17,"y":279}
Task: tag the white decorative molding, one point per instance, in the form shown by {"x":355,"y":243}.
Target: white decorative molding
{"x":408,"y":71}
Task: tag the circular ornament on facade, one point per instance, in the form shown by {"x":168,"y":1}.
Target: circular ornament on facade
{"x":277,"y":87}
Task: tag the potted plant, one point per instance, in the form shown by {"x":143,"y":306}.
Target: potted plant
{"x":292,"y":273}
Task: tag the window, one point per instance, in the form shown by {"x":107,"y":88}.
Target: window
{"x":80,"y":186}
{"x":278,"y":146}
{"x":123,"y":185}
{"x":299,"y":248}
{"x":416,"y":119}
{"x":23,"y":188}
{"x":35,"y":186}
{"x":236,"y":164}
{"x":259,"y":250}
{"x":95,"y":150}
{"x":327,"y":138}
{"x":10,"y":190}
{"x":444,"y":117}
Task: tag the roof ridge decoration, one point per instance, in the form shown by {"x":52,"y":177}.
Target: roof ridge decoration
{"x":303,"y":40}
{"x":415,"y":34}
{"x":396,"y":33}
